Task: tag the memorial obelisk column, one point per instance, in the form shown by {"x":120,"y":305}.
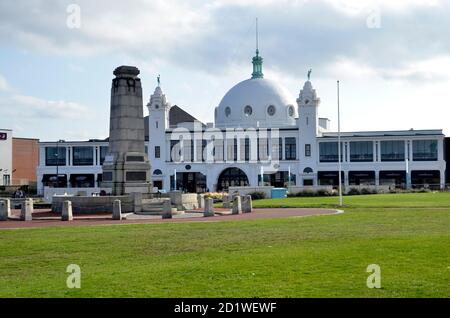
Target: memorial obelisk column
{"x":126,"y":168}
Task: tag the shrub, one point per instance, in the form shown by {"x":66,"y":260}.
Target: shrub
{"x":305,"y":193}
{"x":421,"y":190}
{"x":325,"y":193}
{"x":216,"y":196}
{"x":258,"y":195}
{"x":368,"y":191}
{"x":353,"y":191}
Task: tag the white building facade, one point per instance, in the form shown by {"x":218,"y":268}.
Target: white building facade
{"x":6,"y":151}
{"x":260,"y":136}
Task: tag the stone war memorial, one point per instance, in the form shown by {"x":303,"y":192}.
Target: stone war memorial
{"x":126,"y":168}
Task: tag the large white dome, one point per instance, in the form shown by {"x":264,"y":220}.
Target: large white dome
{"x":256,"y":102}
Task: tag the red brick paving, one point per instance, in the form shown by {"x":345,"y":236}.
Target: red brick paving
{"x":105,"y":219}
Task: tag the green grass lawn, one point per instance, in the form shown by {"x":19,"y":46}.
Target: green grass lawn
{"x":408,"y":235}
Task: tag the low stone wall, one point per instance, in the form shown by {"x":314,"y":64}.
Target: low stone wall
{"x":184,"y":201}
{"x":50,"y":192}
{"x":379,"y":188}
{"x":84,"y":205}
{"x":296,"y":189}
{"x":247,"y":190}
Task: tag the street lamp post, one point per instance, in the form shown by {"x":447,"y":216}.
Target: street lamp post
{"x":339,"y":147}
{"x":57,"y":162}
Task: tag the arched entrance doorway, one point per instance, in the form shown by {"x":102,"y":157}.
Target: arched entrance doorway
{"x":232,"y":177}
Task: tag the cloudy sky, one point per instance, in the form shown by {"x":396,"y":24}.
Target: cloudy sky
{"x":392,"y":58}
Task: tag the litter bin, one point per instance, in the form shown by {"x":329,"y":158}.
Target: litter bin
{"x":278,"y":193}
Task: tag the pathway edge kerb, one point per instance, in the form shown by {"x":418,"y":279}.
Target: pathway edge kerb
{"x":259,"y":214}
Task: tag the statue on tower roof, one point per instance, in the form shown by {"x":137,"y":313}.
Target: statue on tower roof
{"x":309,"y":74}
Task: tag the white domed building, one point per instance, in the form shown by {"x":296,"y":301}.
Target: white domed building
{"x":260,"y":130}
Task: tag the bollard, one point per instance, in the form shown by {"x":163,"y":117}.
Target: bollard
{"x":209,"y":207}
{"x":117,"y":210}
{"x":26,"y":211}
{"x":66,"y":213}
{"x":247,"y":205}
{"x":137,"y":201}
{"x":167,"y":209}
{"x":226,"y":202}
{"x":5,"y":209}
{"x":237,"y":205}
{"x":201,"y":201}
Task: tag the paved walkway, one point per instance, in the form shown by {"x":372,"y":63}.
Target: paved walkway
{"x":45,"y":218}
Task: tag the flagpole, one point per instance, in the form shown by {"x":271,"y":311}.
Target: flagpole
{"x":339,"y":147}
{"x":262,"y":176}
{"x":289,"y":179}
{"x":175,"y":178}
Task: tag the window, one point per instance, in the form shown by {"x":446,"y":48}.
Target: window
{"x":175,"y":154}
{"x":425,"y":150}
{"x":157,"y":152}
{"x":235,"y":149}
{"x":6,"y":179}
{"x":247,"y":149}
{"x":392,"y":150}
{"x":328,"y":152}
{"x":218,"y":149}
{"x":291,"y":111}
{"x":230,"y":148}
{"x":201,"y":148}
{"x":55,"y":156}
{"x":263,"y":149}
{"x":361,"y":151}
{"x":83,"y":156}
{"x":307,"y":150}
{"x":290,"y":147}
{"x":277,"y":149}
{"x":188,"y":150}
{"x":228,"y":111}
{"x":156,"y":124}
{"x":248,"y":110}
{"x":271,"y":110}
{"x":103,"y":152}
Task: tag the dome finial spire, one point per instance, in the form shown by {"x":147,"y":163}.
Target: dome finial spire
{"x":257,"y":60}
{"x":257,"y":44}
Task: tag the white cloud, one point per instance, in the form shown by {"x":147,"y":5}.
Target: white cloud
{"x":356,"y":7}
{"x":4,"y":86}
{"x":33,"y":107}
{"x":429,"y":70}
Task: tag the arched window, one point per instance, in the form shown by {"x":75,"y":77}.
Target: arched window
{"x":232,"y":177}
{"x":308,"y":170}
